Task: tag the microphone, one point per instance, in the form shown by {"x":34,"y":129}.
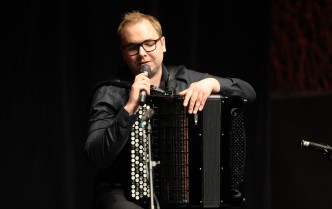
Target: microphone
{"x":316,"y":146}
{"x":147,"y":115}
{"x":142,"y":96}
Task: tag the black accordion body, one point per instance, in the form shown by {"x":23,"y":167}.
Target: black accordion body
{"x":200,"y":158}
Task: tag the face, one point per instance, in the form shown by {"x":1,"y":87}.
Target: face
{"x":136,"y":34}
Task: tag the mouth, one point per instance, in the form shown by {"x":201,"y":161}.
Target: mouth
{"x":142,"y":63}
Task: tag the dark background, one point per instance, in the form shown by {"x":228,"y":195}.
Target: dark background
{"x":52,"y":53}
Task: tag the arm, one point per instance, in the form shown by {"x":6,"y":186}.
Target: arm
{"x":202,"y":85}
{"x":112,"y":115}
{"x":109,"y":126}
{"x":196,"y":95}
{"x":235,"y":86}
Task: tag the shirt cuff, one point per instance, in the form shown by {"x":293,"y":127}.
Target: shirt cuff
{"x":124,"y":119}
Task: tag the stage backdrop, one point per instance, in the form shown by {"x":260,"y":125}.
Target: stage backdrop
{"x":300,"y":104}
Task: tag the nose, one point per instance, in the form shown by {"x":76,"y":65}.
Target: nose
{"x":141,"y":51}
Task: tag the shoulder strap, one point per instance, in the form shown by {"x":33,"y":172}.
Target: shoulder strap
{"x":172,"y":72}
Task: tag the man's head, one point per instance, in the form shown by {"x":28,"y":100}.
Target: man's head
{"x":141,"y":42}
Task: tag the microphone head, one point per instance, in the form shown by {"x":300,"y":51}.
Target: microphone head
{"x":145,"y":68}
{"x":147,"y":115}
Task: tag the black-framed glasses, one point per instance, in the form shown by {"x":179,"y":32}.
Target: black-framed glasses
{"x":148,"y":46}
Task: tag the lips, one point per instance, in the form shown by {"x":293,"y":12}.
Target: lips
{"x":142,"y":63}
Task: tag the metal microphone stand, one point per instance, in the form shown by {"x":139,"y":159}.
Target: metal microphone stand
{"x":328,"y":154}
{"x":147,"y":130}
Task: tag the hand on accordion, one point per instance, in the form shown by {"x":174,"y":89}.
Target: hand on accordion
{"x":197,"y":93}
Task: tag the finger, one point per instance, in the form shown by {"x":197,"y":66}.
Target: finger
{"x":182,"y":93}
{"x":201,"y":106}
{"x":192,"y":102}
{"x":187,"y":98}
{"x":145,"y":85}
{"x":198,"y":103}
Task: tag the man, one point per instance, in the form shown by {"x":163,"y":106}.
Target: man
{"x":114,"y":108}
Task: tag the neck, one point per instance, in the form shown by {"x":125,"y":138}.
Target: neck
{"x":155,"y":77}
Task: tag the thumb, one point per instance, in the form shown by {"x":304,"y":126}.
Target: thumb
{"x":182,"y":93}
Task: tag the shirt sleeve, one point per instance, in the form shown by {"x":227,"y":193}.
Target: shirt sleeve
{"x":235,"y":86}
{"x":109,"y":126}
{"x":228,"y":86}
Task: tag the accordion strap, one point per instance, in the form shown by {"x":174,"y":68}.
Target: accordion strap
{"x":172,"y":74}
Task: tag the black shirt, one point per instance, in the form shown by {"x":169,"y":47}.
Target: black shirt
{"x":107,"y":145}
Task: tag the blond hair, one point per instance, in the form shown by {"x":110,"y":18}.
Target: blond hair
{"x":135,"y":17}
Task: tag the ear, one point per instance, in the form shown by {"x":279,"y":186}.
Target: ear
{"x":163,"y":43}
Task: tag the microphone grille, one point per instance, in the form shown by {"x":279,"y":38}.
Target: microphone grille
{"x":145,"y":68}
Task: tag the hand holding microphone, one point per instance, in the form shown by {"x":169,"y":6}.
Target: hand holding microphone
{"x":138,"y":91}
{"x":142,"y":95}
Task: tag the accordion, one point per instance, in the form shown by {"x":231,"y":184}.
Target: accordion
{"x":200,"y":157}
